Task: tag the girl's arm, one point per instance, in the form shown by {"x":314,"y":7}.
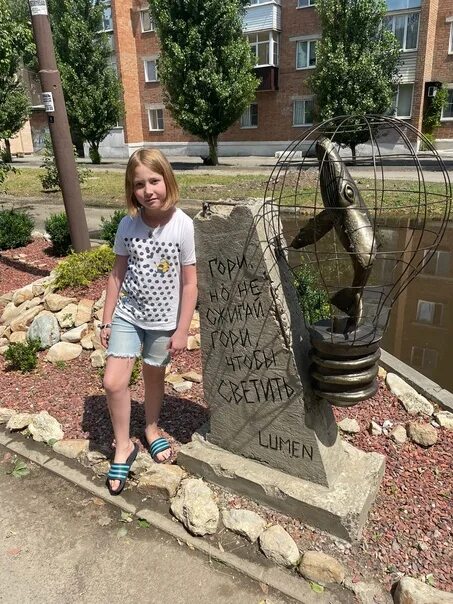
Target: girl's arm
{"x":189,"y":293}
{"x":114,"y":283}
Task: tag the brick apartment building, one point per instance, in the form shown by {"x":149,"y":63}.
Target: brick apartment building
{"x":283,"y":35}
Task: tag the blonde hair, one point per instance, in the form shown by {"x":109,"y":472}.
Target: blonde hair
{"x":154,"y":160}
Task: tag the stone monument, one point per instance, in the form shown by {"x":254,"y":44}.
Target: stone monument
{"x":270,"y":437}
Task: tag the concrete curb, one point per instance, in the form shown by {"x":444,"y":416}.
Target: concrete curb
{"x":419,"y":382}
{"x":287,"y":584}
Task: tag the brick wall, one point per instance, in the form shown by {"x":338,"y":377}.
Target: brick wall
{"x":443,"y":61}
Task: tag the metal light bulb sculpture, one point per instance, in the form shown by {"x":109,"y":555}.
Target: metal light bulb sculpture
{"x":346,"y":246}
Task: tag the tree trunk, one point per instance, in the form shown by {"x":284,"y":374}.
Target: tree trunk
{"x":95,"y":156}
{"x":213,"y":159}
{"x":354,"y":155}
{"x":7,"y":157}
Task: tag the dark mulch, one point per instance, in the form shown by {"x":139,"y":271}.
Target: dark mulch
{"x":410,"y":525}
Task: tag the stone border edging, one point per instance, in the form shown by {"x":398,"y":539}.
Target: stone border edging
{"x":418,"y":381}
{"x":294,"y":587}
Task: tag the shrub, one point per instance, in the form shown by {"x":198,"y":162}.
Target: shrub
{"x":313,"y":299}
{"x":58,"y":228}
{"x":23,"y":356}
{"x":84,"y":267}
{"x":109,"y":226}
{"x":15,"y":229}
{"x":50,"y":180}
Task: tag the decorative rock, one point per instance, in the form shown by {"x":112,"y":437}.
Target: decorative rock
{"x":322,"y":568}
{"x":382,"y":373}
{"x":422,"y":434}
{"x":195,"y":507}
{"x":279,"y":546}
{"x":413,"y":591}
{"x":182,"y":386}
{"x":6,"y":414}
{"x":5,"y":298}
{"x":97,"y":358}
{"x":19,"y":421}
{"x":44,"y":427}
{"x":192,"y":376}
{"x":63,"y":351}
{"x":55,"y":302}
{"x":3,"y":330}
{"x":46,"y":329}
{"x":22,"y":322}
{"x":97,"y":342}
{"x":244,"y":522}
{"x":87,"y":341}
{"x":411,"y":400}
{"x":22,"y":295}
{"x":161,"y":477}
{"x":76,"y":334}
{"x":142,"y":464}
{"x":72,"y":448}
{"x":193,"y":342}
{"x":174,"y":378}
{"x":11,"y":311}
{"x":84,"y":310}
{"x":369,"y":593}
{"x":350,"y":426}
{"x":18,"y":336}
{"x":100,"y":301}
{"x":66,"y":317}
{"x":399,"y":435}
{"x":374,"y":429}
{"x":444,"y":419}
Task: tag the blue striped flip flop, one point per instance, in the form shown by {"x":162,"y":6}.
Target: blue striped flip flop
{"x":120,"y":471}
{"x":158,"y":446}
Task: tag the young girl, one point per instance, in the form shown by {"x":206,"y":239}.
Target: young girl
{"x":150,"y":300}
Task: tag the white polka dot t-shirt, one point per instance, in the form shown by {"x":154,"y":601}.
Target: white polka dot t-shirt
{"x":150,"y":293}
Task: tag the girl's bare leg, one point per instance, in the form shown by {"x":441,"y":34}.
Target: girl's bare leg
{"x":116,"y":383}
{"x":153,"y":378}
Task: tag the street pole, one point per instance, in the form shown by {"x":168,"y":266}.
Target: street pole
{"x":54,"y":105}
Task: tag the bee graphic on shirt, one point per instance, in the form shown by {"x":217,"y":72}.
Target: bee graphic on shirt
{"x":163,"y":266}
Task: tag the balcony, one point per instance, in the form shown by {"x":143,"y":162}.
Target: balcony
{"x":259,"y":17}
{"x":268,"y":76}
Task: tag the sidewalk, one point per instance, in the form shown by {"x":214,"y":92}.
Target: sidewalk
{"x":58,"y":544}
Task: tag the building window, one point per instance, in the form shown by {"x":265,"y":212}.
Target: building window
{"x":405,"y":28}
{"x":424,"y":358}
{"x":402,"y":101}
{"x":450,"y":40}
{"x":146,"y":21}
{"x":430,"y":312}
{"x":306,"y":54}
{"x":264,"y":46}
{"x":151,"y":70}
{"x":107,"y":19}
{"x":156,"y":119}
{"x":303,"y":112}
{"x":305,"y":3}
{"x":447,"y":110}
{"x":402,"y":4}
{"x":249,"y":119}
{"x":437,"y":264}
{"x":259,"y":1}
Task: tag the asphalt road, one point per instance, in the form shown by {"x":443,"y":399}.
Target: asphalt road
{"x":60,"y":544}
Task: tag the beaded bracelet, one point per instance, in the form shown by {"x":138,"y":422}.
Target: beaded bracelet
{"x":105,"y":325}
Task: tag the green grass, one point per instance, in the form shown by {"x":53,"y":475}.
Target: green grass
{"x":104,"y":188}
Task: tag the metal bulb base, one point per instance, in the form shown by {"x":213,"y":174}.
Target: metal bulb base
{"x":344,"y":363}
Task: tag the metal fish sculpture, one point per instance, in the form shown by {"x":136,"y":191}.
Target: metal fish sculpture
{"x":345,"y":211}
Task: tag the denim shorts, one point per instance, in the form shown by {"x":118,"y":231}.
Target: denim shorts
{"x":129,"y":341}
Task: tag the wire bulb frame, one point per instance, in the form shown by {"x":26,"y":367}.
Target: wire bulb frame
{"x":357,"y":238}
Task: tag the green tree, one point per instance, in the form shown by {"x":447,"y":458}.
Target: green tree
{"x":14,"y":103}
{"x":90,"y":85}
{"x":205,"y":65}
{"x":356,"y":64}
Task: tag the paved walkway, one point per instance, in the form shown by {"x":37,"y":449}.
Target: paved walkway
{"x":60,"y":544}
